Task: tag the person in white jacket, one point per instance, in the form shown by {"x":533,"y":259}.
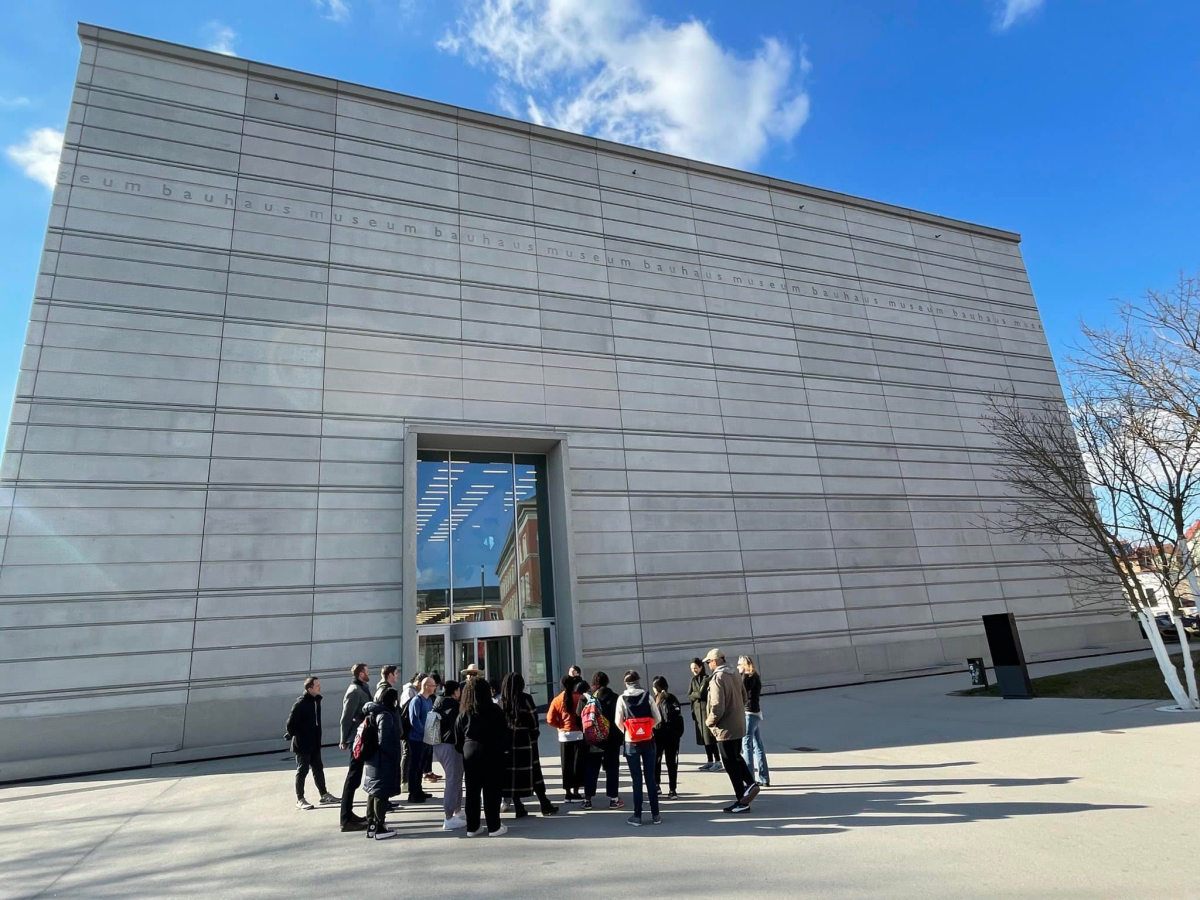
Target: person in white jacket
{"x":636,"y":717}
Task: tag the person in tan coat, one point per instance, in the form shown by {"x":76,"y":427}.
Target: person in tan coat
{"x":727,"y":721}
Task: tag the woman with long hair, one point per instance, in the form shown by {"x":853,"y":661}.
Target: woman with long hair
{"x":523,"y":767}
{"x":753,"y":751}
{"x":698,"y":698}
{"x":571,"y":748}
{"x":481,"y":736}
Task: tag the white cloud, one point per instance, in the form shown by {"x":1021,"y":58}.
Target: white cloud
{"x":38,"y":155}
{"x":15,"y":102}
{"x":1014,"y":11}
{"x":336,"y":10}
{"x":608,"y":68}
{"x":220,"y":38}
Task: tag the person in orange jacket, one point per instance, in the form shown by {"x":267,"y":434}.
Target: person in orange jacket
{"x":571,"y":748}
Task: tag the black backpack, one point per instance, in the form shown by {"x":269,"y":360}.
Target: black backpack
{"x":405,"y":721}
{"x":673,"y":724}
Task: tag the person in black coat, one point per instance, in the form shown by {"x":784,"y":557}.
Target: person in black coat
{"x":381,"y":773}
{"x":698,"y":698}
{"x":481,"y":736}
{"x":606,"y":755}
{"x":304,"y":731}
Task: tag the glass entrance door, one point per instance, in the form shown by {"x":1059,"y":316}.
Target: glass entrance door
{"x":494,"y":656}
{"x":538,"y":640}
{"x":484,"y":574}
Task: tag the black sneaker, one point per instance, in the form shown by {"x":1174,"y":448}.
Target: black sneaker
{"x":587,"y":803}
{"x":382,"y":834}
{"x":738,"y":808}
{"x":370,"y":831}
{"x":751,"y":793}
{"x":635,"y":821}
{"x":418,"y":798}
{"x":672,"y":796}
{"x":657,"y":819}
{"x":550,"y":810}
{"x":616,"y":803}
{"x":356,"y":824}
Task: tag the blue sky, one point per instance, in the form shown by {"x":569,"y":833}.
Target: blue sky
{"x":1075,"y":123}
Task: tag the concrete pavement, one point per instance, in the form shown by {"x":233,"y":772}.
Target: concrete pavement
{"x":910,"y":793}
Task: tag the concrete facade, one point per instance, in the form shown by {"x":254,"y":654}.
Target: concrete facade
{"x":261,"y":288}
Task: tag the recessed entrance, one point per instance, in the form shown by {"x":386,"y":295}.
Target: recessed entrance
{"x":484,"y":574}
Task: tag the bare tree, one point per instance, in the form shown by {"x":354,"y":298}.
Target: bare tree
{"x":1153,"y":349}
{"x":1151,"y":361}
{"x":1120,"y":467}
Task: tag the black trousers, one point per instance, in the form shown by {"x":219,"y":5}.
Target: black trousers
{"x":735,"y":766}
{"x":609,"y":760}
{"x":377,"y":809}
{"x":483,"y":773}
{"x":414,"y":764}
{"x":353,"y":781}
{"x":572,"y":755}
{"x":304,"y":762}
{"x":710,"y":750}
{"x":667,"y":749}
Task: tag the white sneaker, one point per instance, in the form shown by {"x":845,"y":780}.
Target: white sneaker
{"x":304,"y":804}
{"x":482,"y":829}
{"x":454,"y":823}
{"x":502,"y":830}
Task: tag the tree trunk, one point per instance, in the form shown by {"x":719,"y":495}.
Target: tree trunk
{"x":1189,"y":668}
{"x":1169,"y":672}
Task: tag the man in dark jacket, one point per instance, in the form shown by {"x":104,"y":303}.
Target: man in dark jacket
{"x":387,"y":679}
{"x":304,"y":731}
{"x":358,"y":694}
{"x":606,"y":755}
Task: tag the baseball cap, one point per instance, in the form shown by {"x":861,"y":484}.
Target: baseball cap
{"x":714,"y":653}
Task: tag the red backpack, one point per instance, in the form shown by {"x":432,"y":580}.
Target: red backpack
{"x":595,"y":724}
{"x":639,"y":719}
{"x":366,"y":739}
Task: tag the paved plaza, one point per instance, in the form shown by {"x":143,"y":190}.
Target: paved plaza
{"x":908,"y":792}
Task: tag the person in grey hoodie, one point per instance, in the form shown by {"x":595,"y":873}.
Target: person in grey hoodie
{"x":358,"y":694}
{"x":636,"y":717}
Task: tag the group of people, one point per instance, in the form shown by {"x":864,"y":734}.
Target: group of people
{"x":484,"y":737}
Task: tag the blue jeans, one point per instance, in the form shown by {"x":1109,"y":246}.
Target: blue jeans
{"x":640,"y":758}
{"x":753,"y":751}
